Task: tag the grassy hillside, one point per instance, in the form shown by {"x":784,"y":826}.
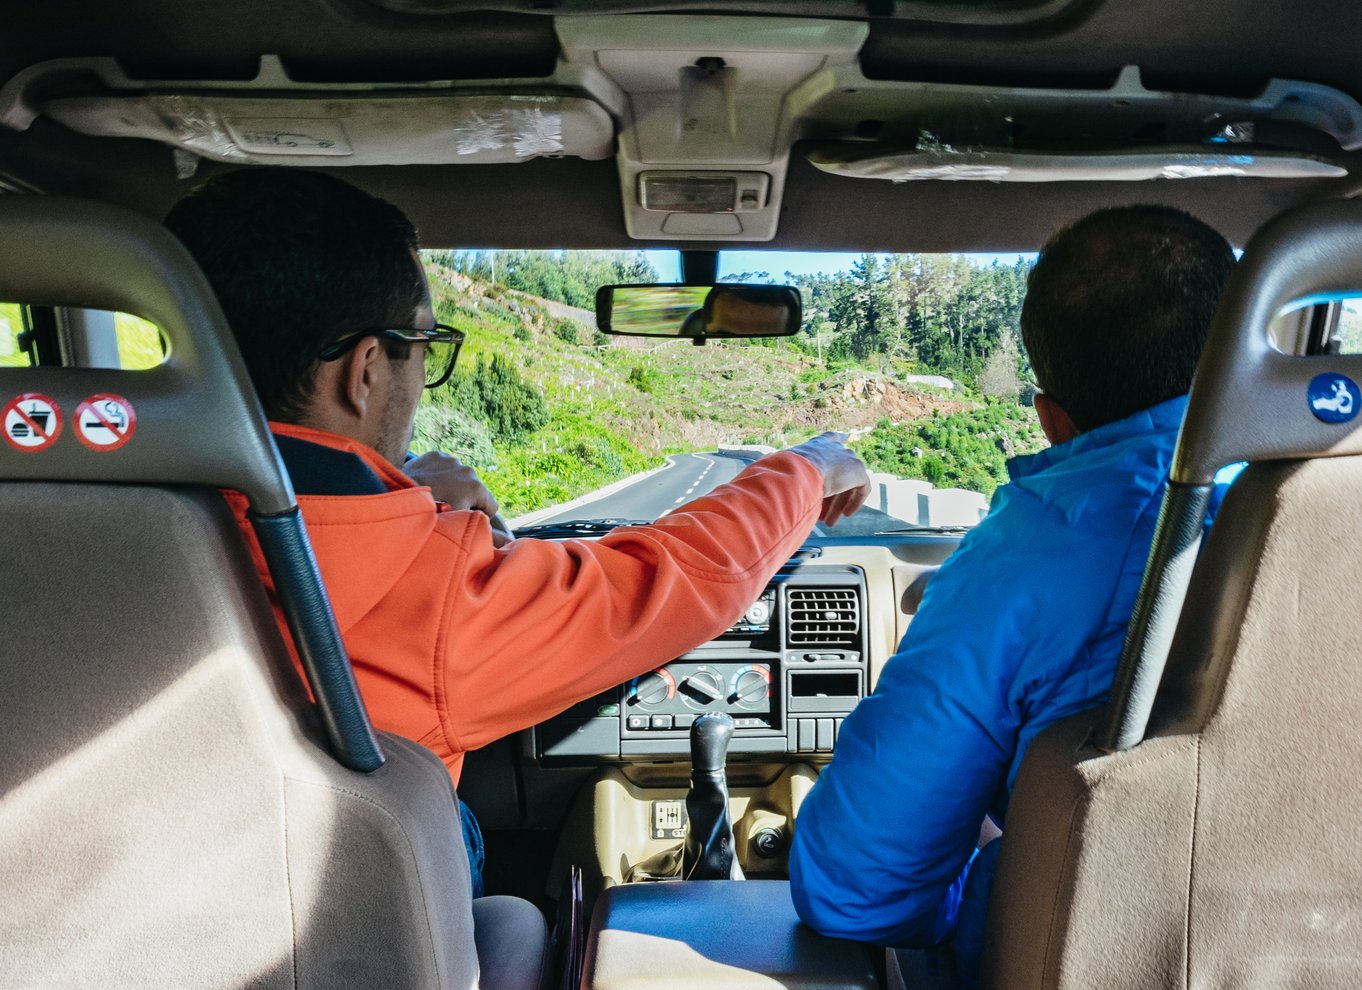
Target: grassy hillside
{"x":600,"y":408}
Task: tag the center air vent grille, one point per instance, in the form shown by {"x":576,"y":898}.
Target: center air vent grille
{"x":823,"y":617}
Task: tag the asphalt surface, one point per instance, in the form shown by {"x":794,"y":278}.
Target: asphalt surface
{"x":687,"y":477}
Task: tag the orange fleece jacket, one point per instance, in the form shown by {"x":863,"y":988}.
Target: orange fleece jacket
{"x":456,"y":643}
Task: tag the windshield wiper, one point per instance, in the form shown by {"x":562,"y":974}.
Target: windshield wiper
{"x":943,"y":530}
{"x":578,"y":527}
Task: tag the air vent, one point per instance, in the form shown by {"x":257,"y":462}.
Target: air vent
{"x":823,"y":617}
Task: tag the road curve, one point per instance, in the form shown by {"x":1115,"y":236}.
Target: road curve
{"x":686,"y":477}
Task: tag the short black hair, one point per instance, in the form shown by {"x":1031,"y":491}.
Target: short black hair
{"x":298,"y":259}
{"x":1117,"y":308}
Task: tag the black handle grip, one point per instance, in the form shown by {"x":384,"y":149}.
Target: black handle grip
{"x":298,"y":583}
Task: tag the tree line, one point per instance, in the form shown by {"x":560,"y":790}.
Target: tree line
{"x":949,"y":316}
{"x":570,"y":277}
{"x":940,"y":313}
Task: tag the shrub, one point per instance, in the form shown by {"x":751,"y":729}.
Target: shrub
{"x":494,"y":393}
{"x":964,"y":449}
{"x":442,"y":427}
{"x":643,"y":378}
{"x":565,"y":330}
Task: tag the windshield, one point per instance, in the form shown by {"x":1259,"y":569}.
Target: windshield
{"x":917,"y":357}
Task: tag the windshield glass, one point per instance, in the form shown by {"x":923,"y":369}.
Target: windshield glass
{"x":917,"y":357}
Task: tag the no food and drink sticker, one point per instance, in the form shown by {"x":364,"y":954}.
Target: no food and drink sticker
{"x":31,"y":422}
{"x":105,"y":421}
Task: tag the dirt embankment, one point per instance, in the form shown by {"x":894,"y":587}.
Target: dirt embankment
{"x":522,"y":304}
{"x":859,"y":401}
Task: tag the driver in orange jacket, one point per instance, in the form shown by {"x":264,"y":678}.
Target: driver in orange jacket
{"x":457,"y":636}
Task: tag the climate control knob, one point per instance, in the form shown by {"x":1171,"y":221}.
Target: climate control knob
{"x":702,"y":688}
{"x":751,"y":686}
{"x":653,"y":688}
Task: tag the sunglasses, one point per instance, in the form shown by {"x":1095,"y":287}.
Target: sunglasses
{"x":442,"y":348}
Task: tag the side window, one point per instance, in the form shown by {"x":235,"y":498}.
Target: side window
{"x":1332,"y":326}
{"x":85,"y":338}
{"x":139,"y":343}
{"x":1349,"y":332}
{"x":12,"y":326}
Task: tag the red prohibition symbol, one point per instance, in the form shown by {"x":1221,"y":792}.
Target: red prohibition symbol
{"x":31,"y":422}
{"x":105,"y":421}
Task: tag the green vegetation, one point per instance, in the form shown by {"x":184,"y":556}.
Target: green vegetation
{"x":139,"y":343}
{"x":547,"y":409}
{"x":938,"y":312}
{"x":11,"y":326}
{"x":966,"y":449}
{"x":570,"y":277}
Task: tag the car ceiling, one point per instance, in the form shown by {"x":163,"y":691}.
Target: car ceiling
{"x":1230,"y":47}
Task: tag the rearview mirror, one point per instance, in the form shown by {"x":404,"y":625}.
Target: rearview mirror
{"x":699,"y":312}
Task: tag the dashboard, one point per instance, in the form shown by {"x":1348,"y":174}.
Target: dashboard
{"x":788,"y":671}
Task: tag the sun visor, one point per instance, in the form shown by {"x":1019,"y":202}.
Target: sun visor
{"x":275,"y":120}
{"x":1114,"y":165}
{"x":1125,"y":132}
{"x":421,"y":129}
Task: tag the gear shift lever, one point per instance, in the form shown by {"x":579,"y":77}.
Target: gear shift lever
{"x":709,"y":851}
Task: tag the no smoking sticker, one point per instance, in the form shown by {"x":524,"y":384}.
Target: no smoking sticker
{"x":105,"y":421}
{"x":31,"y":422}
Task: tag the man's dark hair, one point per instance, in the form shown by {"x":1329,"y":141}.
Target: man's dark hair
{"x":298,"y":260}
{"x":1117,"y":308}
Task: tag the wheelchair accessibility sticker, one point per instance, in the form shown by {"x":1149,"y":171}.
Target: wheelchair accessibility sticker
{"x":1334,"y":398}
{"x":105,"y":421}
{"x":31,"y":422}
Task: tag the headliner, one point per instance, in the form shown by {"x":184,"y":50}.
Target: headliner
{"x":1214,"y":46}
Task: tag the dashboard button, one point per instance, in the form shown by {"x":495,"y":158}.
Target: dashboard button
{"x":804,"y":727}
{"x":824,"y":735}
{"x":637,"y":722}
{"x":684,"y":721}
{"x":662,"y":722}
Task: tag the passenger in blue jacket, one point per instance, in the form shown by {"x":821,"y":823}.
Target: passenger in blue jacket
{"x":1023,"y":624}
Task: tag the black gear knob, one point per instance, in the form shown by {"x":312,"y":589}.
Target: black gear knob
{"x":709,"y":738}
{"x":709,"y":852}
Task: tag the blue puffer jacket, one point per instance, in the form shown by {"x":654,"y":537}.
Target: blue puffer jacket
{"x":1021,"y":627}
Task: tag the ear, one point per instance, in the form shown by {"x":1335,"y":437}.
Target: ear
{"x":1054,"y":421}
{"x":359,"y":373}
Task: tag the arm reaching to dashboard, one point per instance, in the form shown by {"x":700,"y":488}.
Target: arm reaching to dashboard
{"x":846,"y":482}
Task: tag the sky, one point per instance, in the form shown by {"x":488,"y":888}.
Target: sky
{"x":779,"y":262}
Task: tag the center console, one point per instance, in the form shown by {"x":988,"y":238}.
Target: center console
{"x":788,"y":671}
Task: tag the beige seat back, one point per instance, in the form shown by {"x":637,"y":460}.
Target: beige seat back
{"x":1204,"y":829}
{"x":174,"y":810}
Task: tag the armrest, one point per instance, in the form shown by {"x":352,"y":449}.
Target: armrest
{"x":735,"y":934}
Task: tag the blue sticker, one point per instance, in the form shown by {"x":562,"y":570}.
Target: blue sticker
{"x":1334,"y":398}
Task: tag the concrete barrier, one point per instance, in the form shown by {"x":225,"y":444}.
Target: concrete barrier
{"x":951,"y":507}
{"x":919,"y":503}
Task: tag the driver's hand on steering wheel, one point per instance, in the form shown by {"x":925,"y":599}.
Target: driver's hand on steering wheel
{"x":457,"y":485}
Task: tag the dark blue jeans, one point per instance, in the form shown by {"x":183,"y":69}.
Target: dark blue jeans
{"x":472,"y":840}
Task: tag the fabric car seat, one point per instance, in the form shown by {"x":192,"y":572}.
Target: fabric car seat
{"x":175,"y":810}
{"x":1205,"y":828}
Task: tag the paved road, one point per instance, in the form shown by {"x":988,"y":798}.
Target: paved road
{"x":686,"y":477}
